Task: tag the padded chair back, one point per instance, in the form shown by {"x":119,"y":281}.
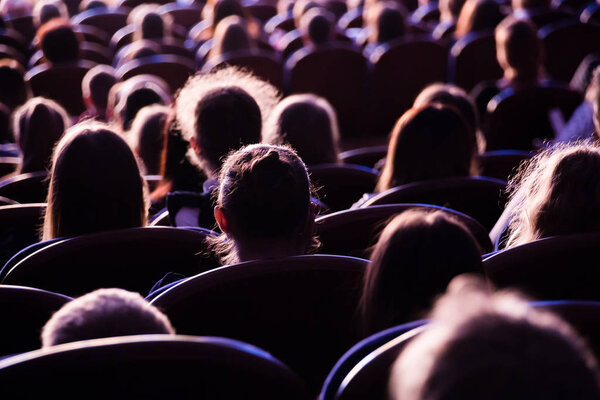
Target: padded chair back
{"x":560,"y":267}
{"x":61,"y":83}
{"x":14,"y":39}
{"x":109,"y":21}
{"x":591,"y":14}
{"x":479,"y":197}
{"x":282,"y":21}
{"x":8,"y":165}
{"x":300,"y":309}
{"x":401,"y":70}
{"x":25,"y":311}
{"x":357,"y":353}
{"x":353,"y":232}
{"x":261,"y":11}
{"x":186,"y":15}
{"x":175,"y":70}
{"x":150,"y":367}
{"x":517,"y":119}
{"x":24,"y":25}
{"x":31,"y":187}
{"x":341,"y":185}
{"x":132,"y":259}
{"x":369,"y":377}
{"x":367,"y":156}
{"x":20,"y":225}
{"x":502,"y":164}
{"x":92,"y":34}
{"x":264,"y":64}
{"x":473,"y":60}
{"x":95,"y":52}
{"x":566,"y":44}
{"x":337,"y":72}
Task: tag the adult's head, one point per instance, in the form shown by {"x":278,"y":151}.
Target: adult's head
{"x":96,"y":85}
{"x":494,"y":347}
{"x":147,"y":138}
{"x":223,"y":9}
{"x":427,"y":143}
{"x":231,"y":35}
{"x":263,"y":204}
{"x":307,"y":123}
{"x":386,"y":21}
{"x":557,"y":194}
{"x":37,"y":126}
{"x":223,"y":111}
{"x":58,"y":42}
{"x":14,"y":91}
{"x":450,"y":10}
{"x":478,"y":16}
{"x":45,"y":10}
{"x":518,"y":49}
{"x":149,"y":23}
{"x":95,"y":184}
{"x":135,"y":94}
{"x":317,"y":26}
{"x":533,"y":5}
{"x":415,"y":258}
{"x":104,"y":313}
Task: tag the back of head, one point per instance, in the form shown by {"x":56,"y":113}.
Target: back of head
{"x":317,"y":25}
{"x":104,"y":313}
{"x":478,"y":16}
{"x":518,"y":49}
{"x":136,"y":94}
{"x":494,"y":347}
{"x":96,"y":85}
{"x":387,"y":21}
{"x":301,"y":7}
{"x":231,"y":35}
{"x":224,"y":9}
{"x":450,"y":10}
{"x":427,"y":143}
{"x":86,"y":5}
{"x":37,"y":126}
{"x":153,"y":26}
{"x":95,"y":184}
{"x":45,"y":10}
{"x":307,"y":123}
{"x":58,"y":41}
{"x":415,"y":258}
{"x":13,"y":88}
{"x":147,"y":136}
{"x":149,"y":23}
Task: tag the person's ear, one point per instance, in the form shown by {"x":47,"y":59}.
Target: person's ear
{"x":221,"y":219}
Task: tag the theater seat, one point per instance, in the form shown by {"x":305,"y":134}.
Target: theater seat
{"x":175,"y":70}
{"x":109,"y":20}
{"x":19,"y":227}
{"x":502,"y":164}
{"x":31,"y":187}
{"x":264,"y":64}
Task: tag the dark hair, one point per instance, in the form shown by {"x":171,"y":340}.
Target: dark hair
{"x":531,"y":4}
{"x":58,"y":41}
{"x":518,"y":49}
{"x":230,"y":35}
{"x":431,"y":142}
{"x":387,"y":21}
{"x":147,"y":136}
{"x":136,"y":95}
{"x":477,"y":16}
{"x":225,"y":8}
{"x":416,"y":256}
{"x":152,"y":26}
{"x":450,"y":9}
{"x":14,"y":91}
{"x":95,"y":184}
{"x":96,"y":85}
{"x":317,"y":25}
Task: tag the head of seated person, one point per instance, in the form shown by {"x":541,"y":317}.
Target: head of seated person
{"x":428,"y":143}
{"x":450,"y":10}
{"x":15,"y":8}
{"x":519,"y":51}
{"x":263,"y":205}
{"x":37,"y":126}
{"x":478,"y":16}
{"x":95,"y":184}
{"x":231,"y":35}
{"x":223,"y":9}
{"x":95,"y":86}
{"x":45,"y":10}
{"x":308,"y":123}
{"x":222,"y":111}
{"x":14,"y":90}
{"x":493,"y":346}
{"x":133,"y":96}
{"x":454,"y":96}
{"x":417,"y":255}
{"x":317,"y":26}
{"x":120,"y":90}
{"x":58,"y":42}
{"x":386,"y":21}
{"x":138,"y":49}
{"x":146,"y":136}
{"x":556,"y":194}
{"x":86,"y":5}
{"x":104,"y":313}
{"x":149,"y":23}
{"x":300,"y":7}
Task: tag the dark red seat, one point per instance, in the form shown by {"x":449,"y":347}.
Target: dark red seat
{"x":150,"y":367}
{"x":175,"y":70}
{"x":353,"y":232}
{"x":401,"y":69}
{"x":26,"y":188}
{"x":109,"y":20}
{"x":572,"y":7}
{"x":479,"y":197}
{"x":20,"y":226}
{"x":14,"y":39}
{"x":309,"y":301}
{"x":502,"y":164}
{"x":282,"y":21}
{"x":132,"y":259}
{"x":337,"y":72}
{"x":264,"y":64}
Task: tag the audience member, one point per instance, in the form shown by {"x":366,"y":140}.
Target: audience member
{"x":478,"y":16}
{"x":58,"y":42}
{"x":231,"y":35}
{"x":385,"y":21}
{"x":133,"y":95}
{"x":95,"y":86}
{"x":146,"y":136}
{"x":317,"y":26}
{"x":149,"y":23}
{"x":104,"y":313}
{"x":14,"y":90}
{"x":45,"y":10}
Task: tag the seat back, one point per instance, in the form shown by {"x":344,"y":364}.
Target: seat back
{"x":517,"y":119}
{"x":109,"y":21}
{"x":22,"y":24}
{"x":152,"y":367}
{"x":31,"y":187}
{"x":353,"y":232}
{"x":502,"y":164}
{"x":366,"y":156}
{"x":25,"y":311}
{"x":479,"y":197}
{"x":19,"y":227}
{"x":186,"y":15}
{"x":341,"y":185}
{"x":264,"y":64}
{"x":175,"y":70}
{"x":337,"y":72}
{"x":8,"y":165}
{"x":473,"y":60}
{"x":401,"y":70}
{"x":560,"y":267}
{"x":300,"y":309}
{"x":132,"y":259}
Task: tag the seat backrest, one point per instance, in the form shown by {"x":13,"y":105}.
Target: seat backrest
{"x":366,"y":156}
{"x":341,"y":185}
{"x":61,"y":83}
{"x":502,"y":164}
{"x":337,"y":72}
{"x":358,"y":352}
{"x":22,"y":24}
{"x":353,"y":232}
{"x":560,"y":267}
{"x":517,"y":119}
{"x":132,"y":259}
{"x":92,"y":34}
{"x":186,"y":15}
{"x":31,"y":187}
{"x":282,"y":21}
{"x":25,"y":311}
{"x":401,"y":69}
{"x":109,"y":21}
{"x":19,"y":227}
{"x":153,"y":367}
{"x":14,"y":39}
{"x":369,"y":377}
{"x":8,"y":165}
{"x":175,"y":70}
{"x":473,"y":59}
{"x":300,"y":309}
{"x":261,"y":11}
{"x":479,"y":197}
{"x":591,"y":14}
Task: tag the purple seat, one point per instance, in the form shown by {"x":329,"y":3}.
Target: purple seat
{"x":108,"y":20}
{"x":175,"y":70}
{"x":502,"y":164}
{"x":366,"y":156}
{"x":264,"y":64}
{"x":183,"y":14}
{"x":8,"y":165}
